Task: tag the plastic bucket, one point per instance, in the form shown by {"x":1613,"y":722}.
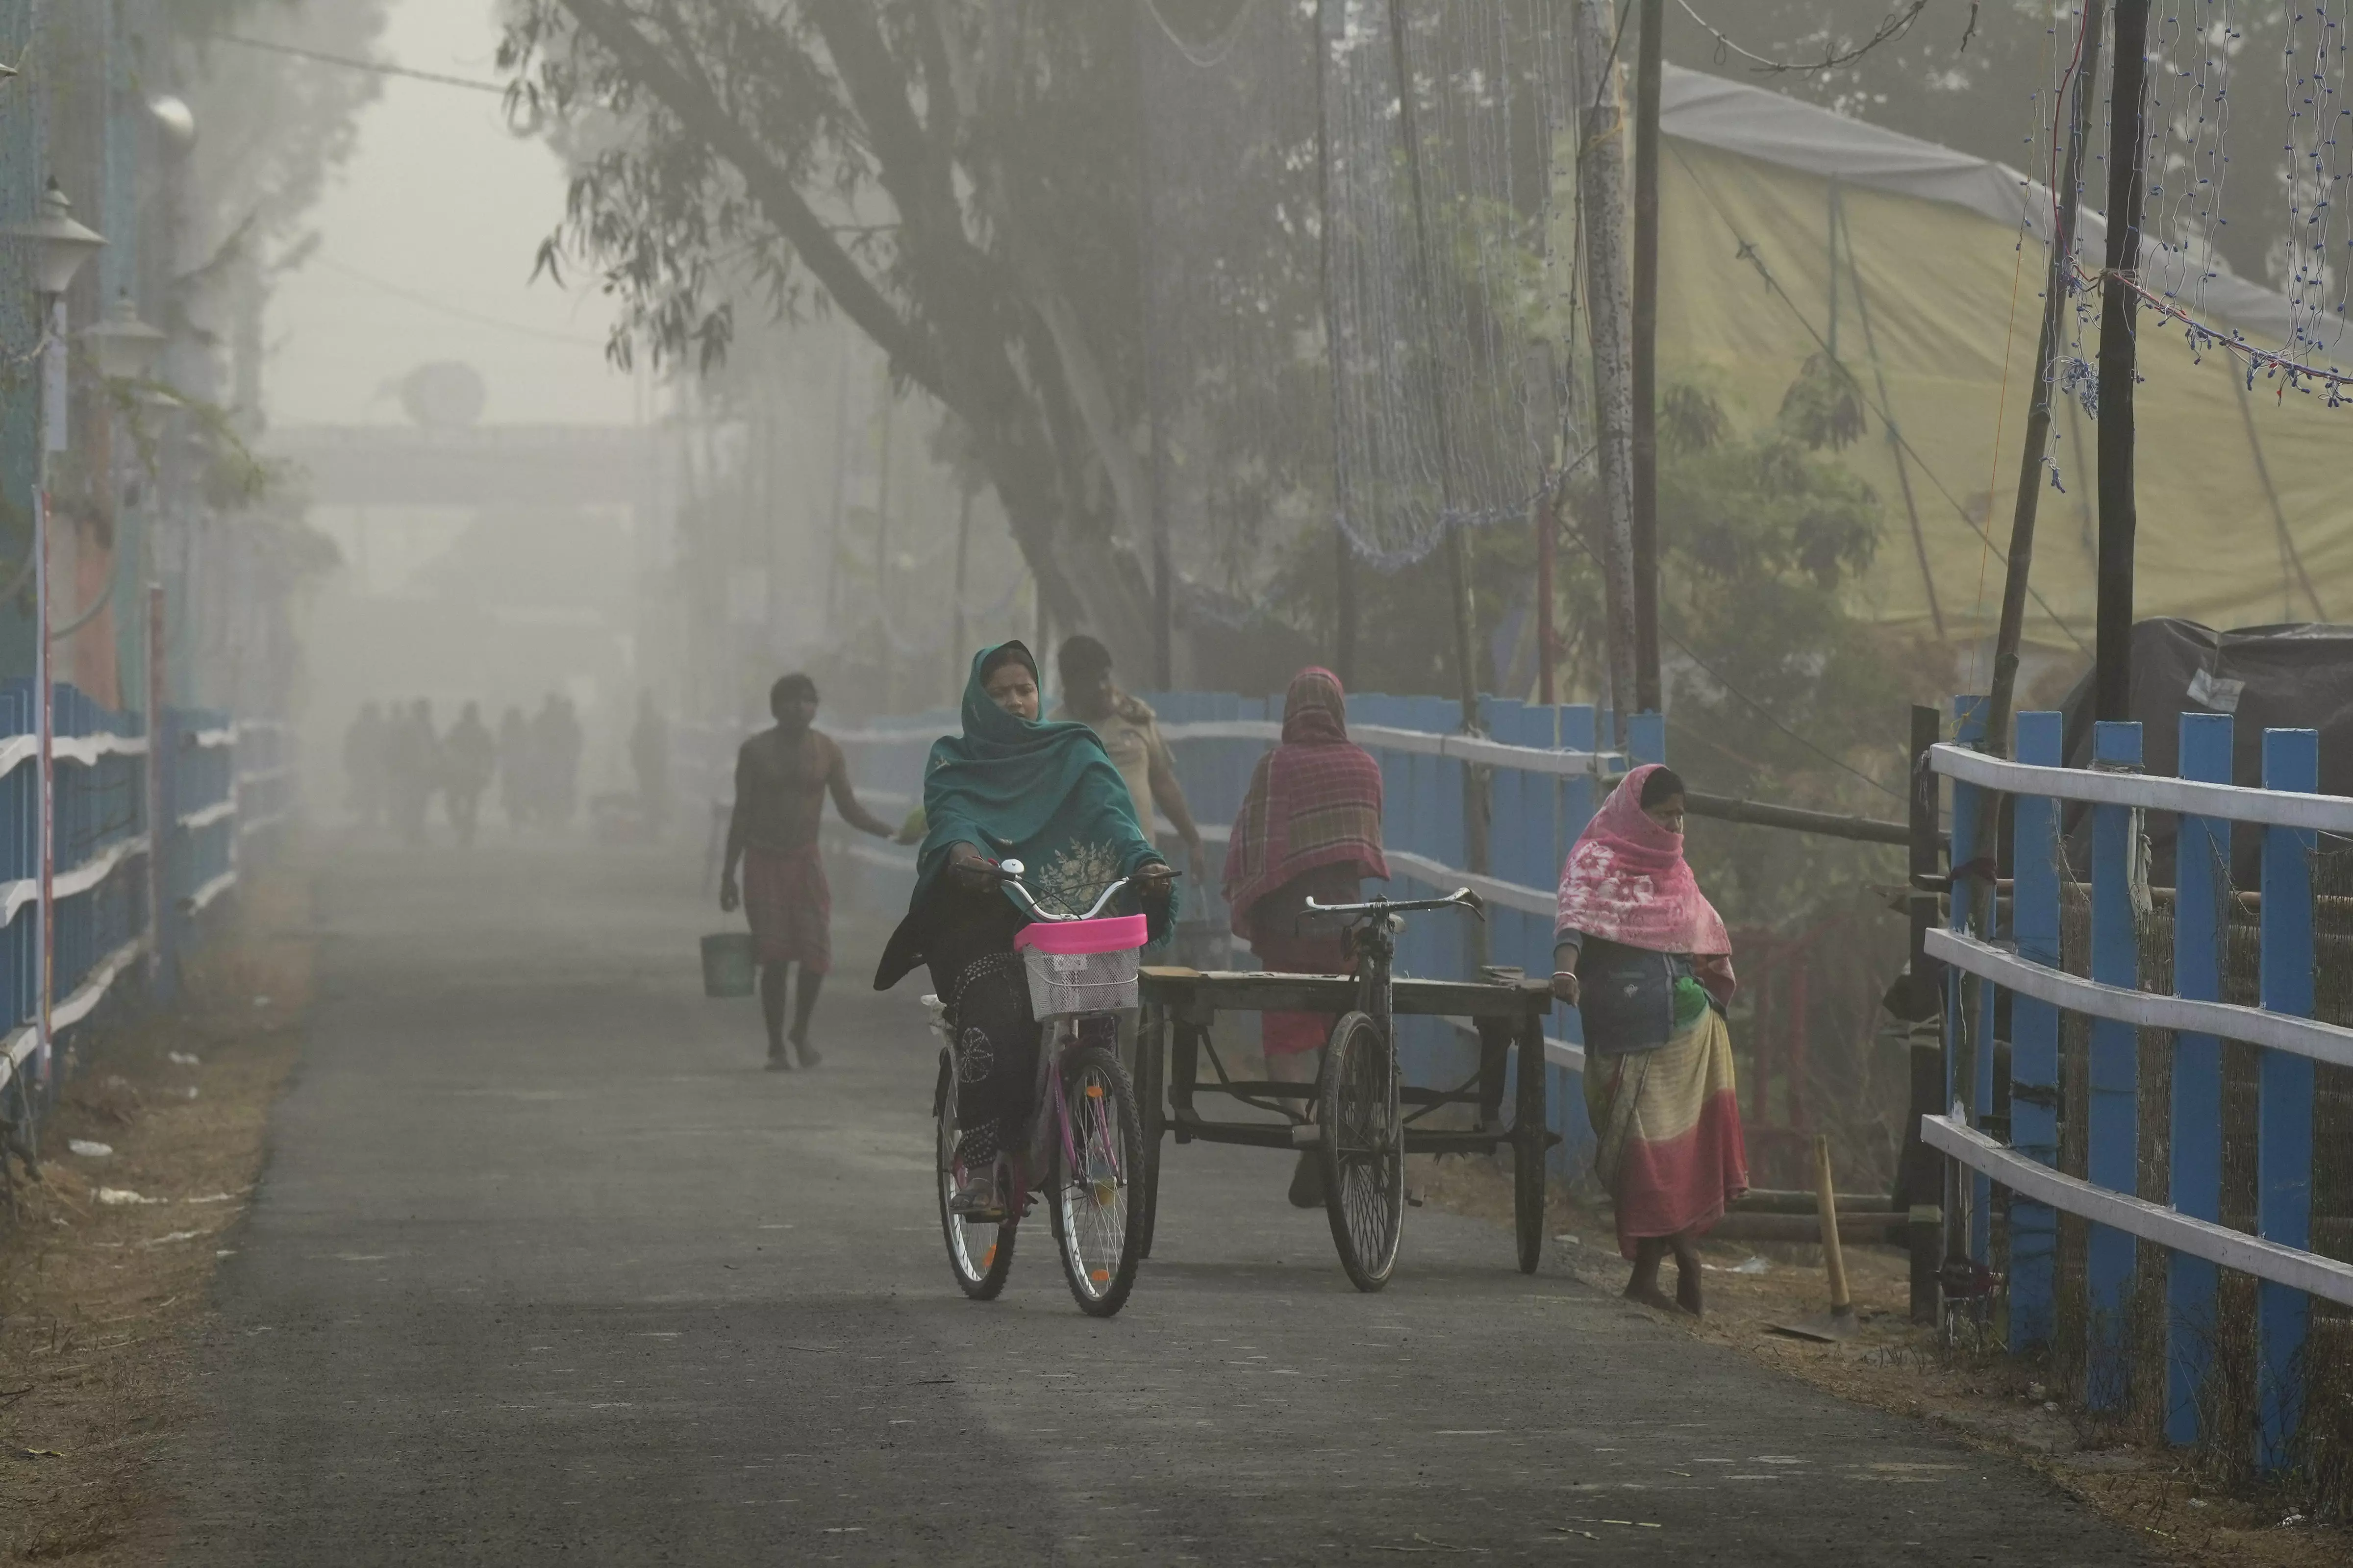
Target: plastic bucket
{"x":727,"y":964}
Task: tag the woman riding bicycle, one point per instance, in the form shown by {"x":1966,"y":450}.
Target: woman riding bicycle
{"x":1045,"y":794}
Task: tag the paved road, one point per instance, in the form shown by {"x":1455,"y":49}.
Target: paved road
{"x":544,"y":1269}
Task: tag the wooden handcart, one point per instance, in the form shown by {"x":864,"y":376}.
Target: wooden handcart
{"x":1172,"y":1045}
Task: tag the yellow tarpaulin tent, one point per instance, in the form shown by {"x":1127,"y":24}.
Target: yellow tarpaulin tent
{"x":2245,"y":498}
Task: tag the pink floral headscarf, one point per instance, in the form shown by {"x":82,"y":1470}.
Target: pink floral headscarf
{"x":1626,"y":881}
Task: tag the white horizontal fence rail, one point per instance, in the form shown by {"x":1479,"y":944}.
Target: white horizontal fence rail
{"x":84,"y":750}
{"x":2276,"y":809}
{"x":2330,"y":1043}
{"x":205,"y":817}
{"x":2306,"y":1271}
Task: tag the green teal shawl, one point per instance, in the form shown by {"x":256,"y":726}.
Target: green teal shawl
{"x":1042,"y":792}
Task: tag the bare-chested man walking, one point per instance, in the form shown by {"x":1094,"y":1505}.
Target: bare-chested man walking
{"x":782,"y":777}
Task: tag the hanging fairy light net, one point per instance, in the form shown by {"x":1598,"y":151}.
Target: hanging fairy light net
{"x":1233,"y":319}
{"x":1440,"y":127}
{"x":1350,"y":314}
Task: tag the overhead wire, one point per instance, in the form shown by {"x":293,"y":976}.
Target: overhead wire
{"x":347,"y":62}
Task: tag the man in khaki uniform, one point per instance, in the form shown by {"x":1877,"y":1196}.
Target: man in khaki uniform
{"x":1131,"y":735}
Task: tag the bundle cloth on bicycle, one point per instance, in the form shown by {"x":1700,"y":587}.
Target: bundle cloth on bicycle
{"x":1655,"y":963}
{"x":1310,"y":827}
{"x":1044,"y":793}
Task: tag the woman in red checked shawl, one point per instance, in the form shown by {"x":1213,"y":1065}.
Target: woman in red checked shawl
{"x":1642,"y":955}
{"x":1310,"y":827}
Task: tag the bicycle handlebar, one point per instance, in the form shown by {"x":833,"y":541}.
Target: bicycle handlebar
{"x":1009,"y":874}
{"x":1460,"y":898}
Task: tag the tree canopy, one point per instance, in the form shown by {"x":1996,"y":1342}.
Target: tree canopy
{"x":949,"y":176}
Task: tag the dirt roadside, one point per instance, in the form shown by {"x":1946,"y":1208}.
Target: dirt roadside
{"x":1988,"y":1401}
{"x":105,"y":1263}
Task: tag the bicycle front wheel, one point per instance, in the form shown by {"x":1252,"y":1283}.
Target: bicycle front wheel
{"x":1362,"y":1140}
{"x":1098,"y":1175}
{"x":980,"y":1251}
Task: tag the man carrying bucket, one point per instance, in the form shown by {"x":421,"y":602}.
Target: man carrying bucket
{"x":782,"y":777}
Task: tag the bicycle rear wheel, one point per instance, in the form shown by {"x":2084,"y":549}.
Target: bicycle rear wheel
{"x":980,"y":1252}
{"x":1094,"y":1202}
{"x":1362,"y":1140}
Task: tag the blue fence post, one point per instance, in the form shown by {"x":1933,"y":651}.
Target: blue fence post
{"x":2283,"y":1132}
{"x":2113,"y":1135}
{"x":2201,"y":848}
{"x":2034,"y":1036}
{"x":1646,"y":739}
{"x":1968,"y":726}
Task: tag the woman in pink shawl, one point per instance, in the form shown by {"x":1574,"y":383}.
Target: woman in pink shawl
{"x":1642,"y":955}
{"x":1310,"y":827}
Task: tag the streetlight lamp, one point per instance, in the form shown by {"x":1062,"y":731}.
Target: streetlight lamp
{"x":60,"y":246}
{"x":62,"y":243}
{"x":124,"y":347}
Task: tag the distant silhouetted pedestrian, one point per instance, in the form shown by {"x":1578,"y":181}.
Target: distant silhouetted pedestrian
{"x":650,"y":759}
{"x":363,"y":763}
{"x":411,"y":769}
{"x":469,"y":757}
{"x":514,"y":768}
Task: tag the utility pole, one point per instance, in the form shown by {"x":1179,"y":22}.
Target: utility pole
{"x":1644,"y":445}
{"x":1974,"y":1036}
{"x":2119,"y":521}
{"x":958,"y":652}
{"x":1602,"y":194}
{"x":1343,"y":559}
{"x":1544,"y":512}
{"x":840,"y":493}
{"x":882,"y":535}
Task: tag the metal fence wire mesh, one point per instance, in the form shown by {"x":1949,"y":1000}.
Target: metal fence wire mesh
{"x":1240,"y":410}
{"x":1442,"y":295}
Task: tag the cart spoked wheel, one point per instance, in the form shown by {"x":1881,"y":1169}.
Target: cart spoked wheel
{"x":1361,"y":1135}
{"x":980,"y":1252}
{"x":1531,"y":1142}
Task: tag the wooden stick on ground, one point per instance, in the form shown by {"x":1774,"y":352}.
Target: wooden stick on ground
{"x":1826,"y":1200}
{"x":1839,"y":1321}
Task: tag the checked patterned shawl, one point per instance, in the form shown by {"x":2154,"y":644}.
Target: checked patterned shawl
{"x":1314,"y":800}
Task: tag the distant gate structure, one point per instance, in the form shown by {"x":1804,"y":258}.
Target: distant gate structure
{"x":479,"y":466}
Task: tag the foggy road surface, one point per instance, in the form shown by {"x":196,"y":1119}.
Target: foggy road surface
{"x":544,"y":1269}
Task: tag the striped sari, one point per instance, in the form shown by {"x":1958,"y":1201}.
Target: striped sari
{"x":1667,"y":1119}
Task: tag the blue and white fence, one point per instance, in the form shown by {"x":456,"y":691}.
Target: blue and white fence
{"x":100,"y":885}
{"x":1546,"y":774}
{"x":2025,"y":960}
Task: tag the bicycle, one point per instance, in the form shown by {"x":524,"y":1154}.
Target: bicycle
{"x":1360,"y":1124}
{"x":1086,"y":1138}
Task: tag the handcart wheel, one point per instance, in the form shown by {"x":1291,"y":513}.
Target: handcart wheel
{"x":980,"y":1252}
{"x":1361,"y":1136}
{"x":1092,"y":1199}
{"x":1529,"y":1146}
{"x":1152,"y":1110}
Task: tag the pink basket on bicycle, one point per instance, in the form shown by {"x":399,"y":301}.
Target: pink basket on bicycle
{"x":1082,"y":966}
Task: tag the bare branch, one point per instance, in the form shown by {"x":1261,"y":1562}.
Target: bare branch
{"x":778,"y":196}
